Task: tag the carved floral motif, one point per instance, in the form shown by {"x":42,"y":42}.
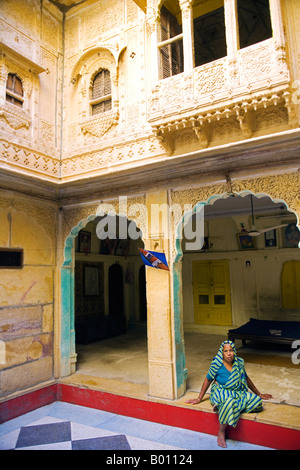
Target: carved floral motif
{"x":15,"y":118}
{"x":210,"y":78}
{"x":100,"y":124}
{"x":81,"y":215}
{"x":261,"y":79}
{"x":283,"y":187}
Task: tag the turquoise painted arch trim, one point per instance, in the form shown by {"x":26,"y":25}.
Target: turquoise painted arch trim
{"x":180,"y":362}
{"x":211,"y":200}
{"x":67,"y":340}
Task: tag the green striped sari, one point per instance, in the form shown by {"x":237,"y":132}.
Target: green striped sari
{"x":233,"y":398}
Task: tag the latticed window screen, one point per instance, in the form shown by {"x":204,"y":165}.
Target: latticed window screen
{"x":254,"y":20}
{"x":209,"y":37}
{"x":171,"y":53}
{"x":101,"y":93}
{"x":14,"y":90}
{"x":208,"y":31}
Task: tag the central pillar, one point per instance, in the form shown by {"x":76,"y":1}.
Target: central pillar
{"x":162,"y":372}
{"x":187,"y":30}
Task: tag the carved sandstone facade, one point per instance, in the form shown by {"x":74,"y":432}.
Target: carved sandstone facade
{"x":227,"y":126}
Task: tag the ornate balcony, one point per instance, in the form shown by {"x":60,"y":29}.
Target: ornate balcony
{"x":232,"y":88}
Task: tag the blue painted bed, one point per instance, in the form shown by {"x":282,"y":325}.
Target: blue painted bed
{"x":284,"y":332}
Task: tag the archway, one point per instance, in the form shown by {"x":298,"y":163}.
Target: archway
{"x":255,"y":273}
{"x":115,"y":286}
{"x":117,"y":280}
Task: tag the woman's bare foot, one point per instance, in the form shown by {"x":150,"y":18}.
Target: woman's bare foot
{"x":221,"y":440}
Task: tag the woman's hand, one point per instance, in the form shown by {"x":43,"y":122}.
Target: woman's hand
{"x":203,"y":390}
{"x":265,"y":396}
{"x":195,"y":401}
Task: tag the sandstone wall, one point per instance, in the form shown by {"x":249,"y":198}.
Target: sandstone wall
{"x":27,"y":294}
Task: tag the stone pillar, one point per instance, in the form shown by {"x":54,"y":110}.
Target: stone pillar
{"x":276,"y":20}
{"x":187,"y":30}
{"x":232,"y":40}
{"x":160,"y":337}
{"x":279,"y":40}
{"x":3,"y":78}
{"x":151,"y":32}
{"x":231,"y":27}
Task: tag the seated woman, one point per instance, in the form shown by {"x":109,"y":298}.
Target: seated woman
{"x":229,"y":392}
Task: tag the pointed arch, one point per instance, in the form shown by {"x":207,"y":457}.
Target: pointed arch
{"x":67,"y":338}
{"x":210,"y":197}
{"x":210,"y":201}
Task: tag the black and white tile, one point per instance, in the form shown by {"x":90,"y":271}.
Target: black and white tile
{"x":55,"y":434}
{"x":62,"y":426}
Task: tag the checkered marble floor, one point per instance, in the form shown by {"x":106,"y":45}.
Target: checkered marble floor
{"x":62,"y":426}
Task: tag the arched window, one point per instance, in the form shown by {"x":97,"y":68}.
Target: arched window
{"x":14,"y":90}
{"x":101,"y":99}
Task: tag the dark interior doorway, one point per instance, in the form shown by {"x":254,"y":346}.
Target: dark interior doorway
{"x":115,"y":287}
{"x":110,"y":307}
{"x":142,"y":294}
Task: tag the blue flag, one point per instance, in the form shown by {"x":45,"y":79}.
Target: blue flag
{"x":154,"y":259}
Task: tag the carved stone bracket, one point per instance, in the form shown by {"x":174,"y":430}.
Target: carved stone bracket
{"x":201,"y":121}
{"x":15,"y":118}
{"x":98,"y":125}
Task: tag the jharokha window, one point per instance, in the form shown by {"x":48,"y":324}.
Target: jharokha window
{"x":208,"y":31}
{"x":101,"y":99}
{"x":14,"y":90}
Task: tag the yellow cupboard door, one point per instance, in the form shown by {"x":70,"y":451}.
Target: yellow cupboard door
{"x":290,"y":285}
{"x":211,"y":288}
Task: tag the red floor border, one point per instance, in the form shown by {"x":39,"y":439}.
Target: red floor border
{"x":252,"y":432}
{"x":28,"y":402}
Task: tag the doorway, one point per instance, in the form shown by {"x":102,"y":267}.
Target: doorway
{"x":211,"y":292}
{"x":228,"y":281}
{"x":108,"y":313}
{"x":142,"y":294}
{"x":115,"y":286}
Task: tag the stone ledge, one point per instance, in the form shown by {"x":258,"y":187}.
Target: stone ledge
{"x":162,"y":411}
{"x":273,"y":414}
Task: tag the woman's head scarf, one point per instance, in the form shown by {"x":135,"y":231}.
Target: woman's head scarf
{"x":220,"y":352}
{"x":237,"y":377}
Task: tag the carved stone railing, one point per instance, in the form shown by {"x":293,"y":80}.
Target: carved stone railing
{"x":257,"y":77}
